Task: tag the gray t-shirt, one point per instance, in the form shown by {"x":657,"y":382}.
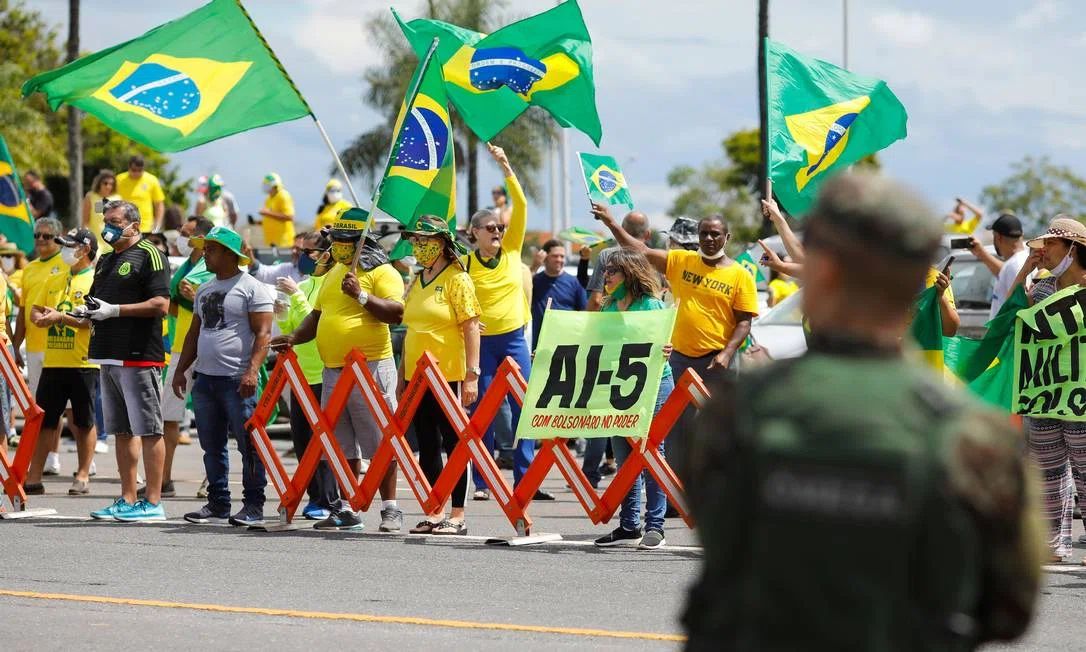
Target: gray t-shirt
{"x":226,"y":339}
{"x":595,"y":284}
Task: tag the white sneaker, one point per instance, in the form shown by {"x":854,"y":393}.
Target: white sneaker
{"x":101,"y":447}
{"x":52,"y":464}
{"x":93,"y":469}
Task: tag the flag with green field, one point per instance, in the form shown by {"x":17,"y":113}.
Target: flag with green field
{"x":15,"y":221}
{"x":605,"y":182}
{"x":204,"y":76}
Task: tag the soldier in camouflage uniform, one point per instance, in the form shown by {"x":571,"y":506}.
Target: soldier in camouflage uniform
{"x":848,"y":500}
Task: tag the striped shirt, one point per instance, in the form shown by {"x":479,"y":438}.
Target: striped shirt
{"x":135,"y":275}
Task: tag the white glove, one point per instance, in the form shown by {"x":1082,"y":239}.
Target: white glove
{"x":104,"y":311}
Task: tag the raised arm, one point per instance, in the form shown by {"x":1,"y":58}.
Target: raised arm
{"x":788,"y":237}
{"x":658,"y":257}
{"x":518,"y":222}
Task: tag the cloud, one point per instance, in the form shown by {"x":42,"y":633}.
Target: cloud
{"x":1042,"y":13}
{"x":335,"y":32}
{"x":906,"y":29}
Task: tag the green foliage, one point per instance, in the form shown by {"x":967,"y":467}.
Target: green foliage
{"x":1036,"y":191}
{"x":104,"y":148}
{"x":525,"y":140}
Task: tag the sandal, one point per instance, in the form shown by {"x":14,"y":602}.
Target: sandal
{"x":450,"y":528}
{"x":79,"y":488}
{"x":424,"y":527}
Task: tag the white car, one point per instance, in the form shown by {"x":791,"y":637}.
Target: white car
{"x":780,"y":330}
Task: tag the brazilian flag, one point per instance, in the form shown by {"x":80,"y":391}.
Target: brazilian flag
{"x":420,"y":177}
{"x":747,"y":262}
{"x":198,"y":78}
{"x":544,"y":60}
{"x":927,"y":327}
{"x":822,"y":119}
{"x":15,"y":222}
{"x":605,"y":182}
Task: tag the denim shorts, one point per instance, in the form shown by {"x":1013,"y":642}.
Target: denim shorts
{"x":131,"y":400}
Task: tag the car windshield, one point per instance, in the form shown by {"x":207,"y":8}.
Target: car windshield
{"x":973,"y":283}
{"x":785,"y":313}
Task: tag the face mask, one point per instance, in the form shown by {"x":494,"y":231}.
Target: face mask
{"x":112,"y":233}
{"x":306,"y":265}
{"x":268,"y":188}
{"x":7,"y":264}
{"x":183,"y":246}
{"x":717,"y":256}
{"x":1064,"y":264}
{"x":618,"y":293}
{"x":427,"y":253}
{"x":333,"y":196}
{"x":343,"y":252}
{"x":69,"y":256}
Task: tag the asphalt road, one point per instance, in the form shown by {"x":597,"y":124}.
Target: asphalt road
{"x":70,"y":583}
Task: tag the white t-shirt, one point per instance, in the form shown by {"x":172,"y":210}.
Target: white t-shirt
{"x":1005,"y":280}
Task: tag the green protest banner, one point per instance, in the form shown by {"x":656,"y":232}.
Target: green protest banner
{"x":1050,"y":357}
{"x":595,"y":374}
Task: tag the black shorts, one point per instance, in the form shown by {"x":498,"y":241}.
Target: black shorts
{"x":59,"y":385}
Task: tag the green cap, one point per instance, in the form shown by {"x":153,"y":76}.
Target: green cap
{"x":350,"y":223}
{"x":225,"y":236}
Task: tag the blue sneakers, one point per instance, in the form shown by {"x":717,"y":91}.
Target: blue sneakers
{"x":314,"y":512}
{"x":141,"y":511}
{"x":110,"y":513}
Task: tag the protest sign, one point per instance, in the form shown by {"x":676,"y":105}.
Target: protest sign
{"x":596,"y":374}
{"x":1050,"y":357}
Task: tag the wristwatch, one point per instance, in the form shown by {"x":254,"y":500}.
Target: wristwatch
{"x":363,"y":297}
{"x":475,"y":370}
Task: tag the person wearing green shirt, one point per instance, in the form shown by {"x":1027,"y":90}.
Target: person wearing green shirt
{"x":323,"y":492}
{"x":632,"y":285}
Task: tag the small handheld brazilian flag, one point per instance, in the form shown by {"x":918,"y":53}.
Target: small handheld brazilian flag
{"x":747,"y":262}
{"x":605,"y":182}
{"x":15,"y":222}
{"x":544,"y":60}
{"x":201,"y":77}
{"x":822,"y":119}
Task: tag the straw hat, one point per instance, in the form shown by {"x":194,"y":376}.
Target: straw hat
{"x":1063,"y":227}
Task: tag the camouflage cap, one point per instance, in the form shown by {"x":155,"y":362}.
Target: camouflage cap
{"x":879,"y":213}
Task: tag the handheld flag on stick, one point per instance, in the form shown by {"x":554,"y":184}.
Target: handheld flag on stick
{"x":544,"y":60}
{"x":581,"y":236}
{"x":604,"y":181}
{"x":196,"y":79}
{"x":15,"y":222}
{"x":822,"y":119}
{"x":747,"y":262}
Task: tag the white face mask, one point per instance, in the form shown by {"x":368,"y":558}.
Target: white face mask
{"x":333,"y":196}
{"x":1064,"y":264}
{"x":7,"y":264}
{"x":69,"y":256}
{"x":717,"y":256}
{"x":183,"y":246}
{"x":268,"y":188}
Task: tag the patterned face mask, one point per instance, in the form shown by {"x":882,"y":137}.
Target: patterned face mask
{"x":343,"y":252}
{"x":427,"y":252}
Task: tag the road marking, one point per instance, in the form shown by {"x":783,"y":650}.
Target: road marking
{"x":362,"y":618}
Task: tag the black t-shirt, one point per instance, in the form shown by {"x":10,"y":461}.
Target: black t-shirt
{"x":41,"y":201}
{"x":132,"y":276}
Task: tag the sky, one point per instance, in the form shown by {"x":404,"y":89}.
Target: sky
{"x":985,"y":83}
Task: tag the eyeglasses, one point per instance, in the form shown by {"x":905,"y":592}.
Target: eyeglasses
{"x":44,"y":236}
{"x":611,"y":270}
{"x":494,"y":227}
{"x":420,"y":239}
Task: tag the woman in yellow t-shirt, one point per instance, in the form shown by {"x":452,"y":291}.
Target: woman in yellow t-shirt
{"x":442,"y":317}
{"x":331,"y":204}
{"x":103,"y":189}
{"x":497,"y":271}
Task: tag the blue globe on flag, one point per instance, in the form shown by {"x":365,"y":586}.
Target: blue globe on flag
{"x":834,"y":135}
{"x":492,"y":68}
{"x":425,"y":140}
{"x":607,"y":181}
{"x":163,"y":91}
{"x":9,"y":192}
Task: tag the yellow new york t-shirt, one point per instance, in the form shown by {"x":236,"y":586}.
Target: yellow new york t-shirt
{"x":142,"y":192}
{"x":43,"y":282}
{"x":708,"y":299}
{"x":345,"y":324}
{"x":278,"y":233}
{"x":433,"y":313}
{"x":328,"y":214}
{"x":66,"y":346}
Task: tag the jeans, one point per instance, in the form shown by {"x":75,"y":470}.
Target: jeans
{"x":595,"y":449}
{"x":323,"y":490}
{"x":220,"y":410}
{"x":493,"y":351}
{"x":629,"y":515}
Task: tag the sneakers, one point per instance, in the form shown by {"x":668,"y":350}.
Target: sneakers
{"x":207,"y":515}
{"x":608,"y":468}
{"x":391,"y":520}
{"x":314,"y":512}
{"x":447,"y":527}
{"x":543,"y":495}
{"x":34,"y":489}
{"x":101,"y":447}
{"x":653,"y":540}
{"x":141,"y":511}
{"x":79,"y":488}
{"x":481,"y":494}
{"x":52,"y":464}
{"x":168,"y":491}
{"x":110,"y":513}
{"x":248,"y":515}
{"x":620,"y":537}
{"x":341,"y":520}
{"x":504,"y":463}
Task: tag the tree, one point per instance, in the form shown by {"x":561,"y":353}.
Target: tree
{"x":1036,"y":191}
{"x":525,"y":140}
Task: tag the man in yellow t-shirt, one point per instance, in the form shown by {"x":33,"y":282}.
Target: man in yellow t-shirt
{"x":143,"y":189}
{"x":67,"y":374}
{"x":352,"y":311}
{"x":43,"y":281}
{"x":278,"y":213}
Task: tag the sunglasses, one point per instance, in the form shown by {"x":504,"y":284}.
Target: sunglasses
{"x":44,"y":236}
{"x":494,"y":227}
{"x":611,"y":270}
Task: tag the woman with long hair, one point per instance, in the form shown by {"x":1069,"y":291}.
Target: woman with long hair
{"x":632,"y":285}
{"x":103,"y":189}
{"x":1057,"y":445}
{"x":442,"y":317}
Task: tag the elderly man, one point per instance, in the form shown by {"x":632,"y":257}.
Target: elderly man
{"x":228,"y":341}
{"x":144,"y":190}
{"x":129,"y":298}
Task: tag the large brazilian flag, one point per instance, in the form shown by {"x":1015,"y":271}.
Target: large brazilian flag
{"x":822,"y":119}
{"x":15,"y":222}
{"x":544,"y":60}
{"x":204,"y":76}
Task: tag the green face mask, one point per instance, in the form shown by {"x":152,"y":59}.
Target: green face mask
{"x":618,"y":293}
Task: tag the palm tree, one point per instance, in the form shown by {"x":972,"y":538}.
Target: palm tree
{"x":525,"y":140}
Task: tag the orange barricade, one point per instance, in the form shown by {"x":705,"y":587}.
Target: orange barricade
{"x":356,"y":376}
{"x":13,"y":473}
{"x":689,"y":389}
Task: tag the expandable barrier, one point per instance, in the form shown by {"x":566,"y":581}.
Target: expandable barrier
{"x":394,"y":447}
{"x":13,"y":472}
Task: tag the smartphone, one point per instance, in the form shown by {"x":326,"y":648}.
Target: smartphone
{"x":961,"y":243}
{"x":946,"y":268}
